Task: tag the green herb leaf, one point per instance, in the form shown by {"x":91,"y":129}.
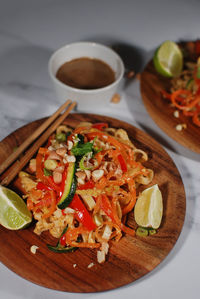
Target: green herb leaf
{"x":82,"y":148}
{"x":81,"y":138}
{"x":47,"y":172}
{"x":96,"y":150}
{"x":82,"y":163}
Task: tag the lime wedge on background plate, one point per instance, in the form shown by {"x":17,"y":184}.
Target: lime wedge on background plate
{"x":14,"y":214}
{"x":168,"y":59}
{"x":149,"y":208}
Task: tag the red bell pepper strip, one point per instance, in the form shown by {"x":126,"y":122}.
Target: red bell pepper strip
{"x":63,"y":240}
{"x":43,"y":187}
{"x":100,"y":126}
{"x":106,"y":207}
{"x":63,"y":212}
{"x":82,"y":213}
{"x":88,"y":185}
{"x":122,"y":163}
{"x":39,"y":168}
{"x":53,"y":185}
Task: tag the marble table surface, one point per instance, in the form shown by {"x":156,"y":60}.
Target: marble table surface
{"x":29,"y":33}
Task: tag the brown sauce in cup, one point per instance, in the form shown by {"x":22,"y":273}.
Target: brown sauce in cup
{"x":86,"y":73}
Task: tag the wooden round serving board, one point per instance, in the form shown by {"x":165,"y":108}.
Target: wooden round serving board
{"x":129,"y":259}
{"x":161,"y":112}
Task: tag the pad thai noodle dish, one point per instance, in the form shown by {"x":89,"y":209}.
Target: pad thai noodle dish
{"x":184,"y":93}
{"x":82,"y":184}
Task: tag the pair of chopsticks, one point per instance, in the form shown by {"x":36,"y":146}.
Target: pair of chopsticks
{"x":50,"y":126}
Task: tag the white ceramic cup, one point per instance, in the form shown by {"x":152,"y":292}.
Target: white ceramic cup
{"x":92,"y":98}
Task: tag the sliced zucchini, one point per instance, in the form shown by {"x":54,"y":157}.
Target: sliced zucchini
{"x":190,"y":84}
{"x":60,"y":249}
{"x":69,"y":188}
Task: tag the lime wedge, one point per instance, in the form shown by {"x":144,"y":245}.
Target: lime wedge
{"x":149,"y":208}
{"x":168,"y":59}
{"x":13,"y":210}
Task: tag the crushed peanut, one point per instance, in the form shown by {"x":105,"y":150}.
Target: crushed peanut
{"x":90,"y":265}
{"x":116,"y":98}
{"x":176,"y":114}
{"x":180,"y":127}
{"x":130,"y":74}
{"x":70,"y":158}
{"x":69,"y":144}
{"x":97,"y":174}
{"x":33,"y":249}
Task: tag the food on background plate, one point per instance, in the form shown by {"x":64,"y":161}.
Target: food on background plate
{"x":82,"y":184}
{"x":184,"y":91}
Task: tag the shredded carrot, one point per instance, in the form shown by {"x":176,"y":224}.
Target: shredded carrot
{"x":72,"y":235}
{"x":128,"y":230}
{"x":187,"y":101}
{"x":52,"y":207}
{"x":84,"y":244}
{"x":101,"y":184}
{"x":129,"y":207}
{"x":196,"y":118}
{"x":43,"y":151}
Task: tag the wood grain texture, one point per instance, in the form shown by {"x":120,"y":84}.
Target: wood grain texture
{"x":161,"y":112}
{"x":129,"y":259}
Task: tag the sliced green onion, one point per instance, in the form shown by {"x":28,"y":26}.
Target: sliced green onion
{"x":62,"y":137}
{"x":84,"y":162}
{"x":152,"y":231}
{"x":142,"y":232}
{"x":50,"y":164}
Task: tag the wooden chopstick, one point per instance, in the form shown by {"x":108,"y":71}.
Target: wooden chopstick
{"x":10,"y":174}
{"x":31,"y":138}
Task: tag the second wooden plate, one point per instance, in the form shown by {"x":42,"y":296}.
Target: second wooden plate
{"x":161,"y":112}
